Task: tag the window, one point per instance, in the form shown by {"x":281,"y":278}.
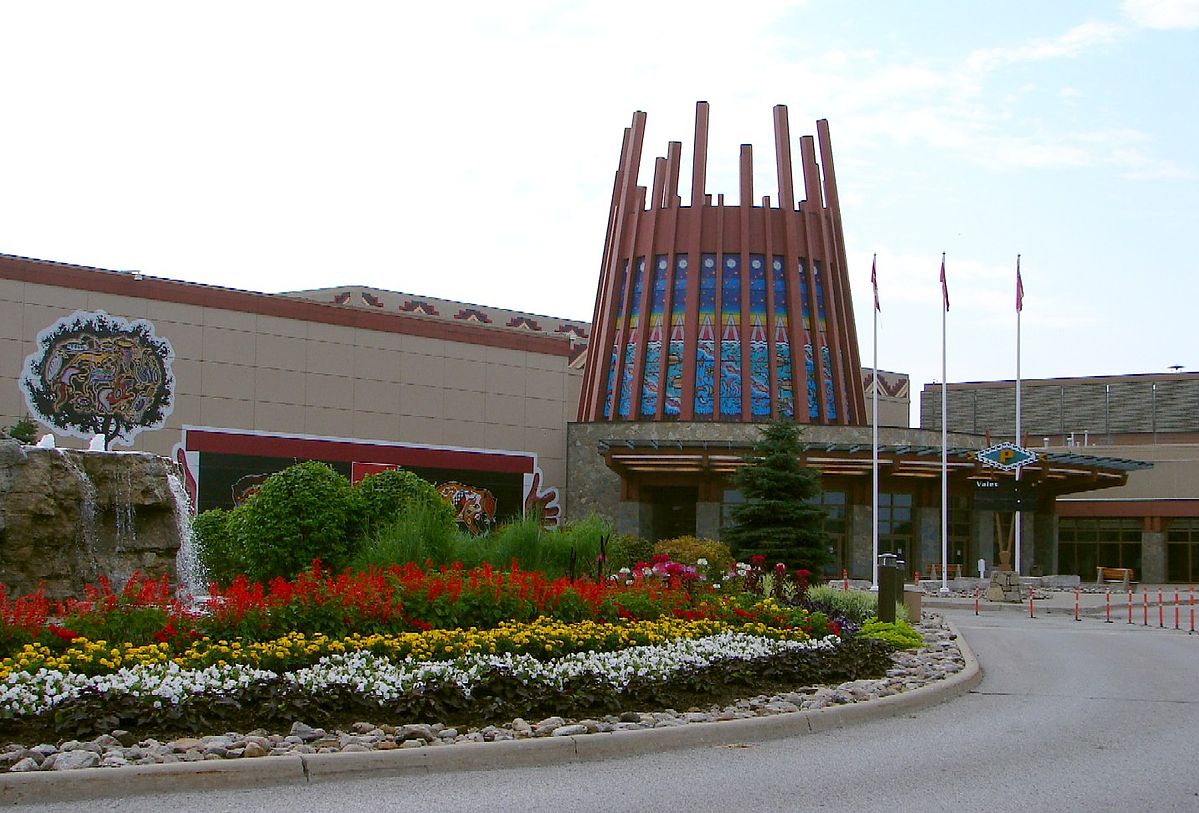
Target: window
{"x":1087,"y":543}
{"x":1182,"y":550}
{"x":895,"y":526}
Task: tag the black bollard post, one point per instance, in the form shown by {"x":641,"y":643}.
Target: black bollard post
{"x":886,"y":587}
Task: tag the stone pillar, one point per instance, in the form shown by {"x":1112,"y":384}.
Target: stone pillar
{"x":861,"y":543}
{"x":707,"y":520}
{"x":1040,"y":542}
{"x":927,"y":544}
{"x":1153,"y":553}
{"x":982,"y":534}
{"x":633,"y":518}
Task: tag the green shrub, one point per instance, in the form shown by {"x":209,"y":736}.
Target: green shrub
{"x":24,"y":430}
{"x":900,"y":634}
{"x":300,"y":514}
{"x":418,"y":535}
{"x":626,"y":550}
{"x":219,"y":550}
{"x":856,"y":605}
{"x":688,"y":550}
{"x":383,"y":497}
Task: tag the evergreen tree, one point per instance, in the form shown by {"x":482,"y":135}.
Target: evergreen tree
{"x":780,"y":519}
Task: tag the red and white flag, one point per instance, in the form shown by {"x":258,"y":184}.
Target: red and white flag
{"x":874,"y":281}
{"x":1019,"y":287}
{"x":944,"y":287}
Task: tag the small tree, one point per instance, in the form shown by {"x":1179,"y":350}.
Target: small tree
{"x":780,"y":519}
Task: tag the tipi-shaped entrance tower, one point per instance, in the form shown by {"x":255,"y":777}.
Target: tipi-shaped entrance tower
{"x":710,"y":312}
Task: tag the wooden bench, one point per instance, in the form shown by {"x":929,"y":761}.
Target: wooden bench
{"x":934,"y":570}
{"x":1115,"y":575}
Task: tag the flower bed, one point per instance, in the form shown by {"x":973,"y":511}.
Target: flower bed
{"x":404,"y":644}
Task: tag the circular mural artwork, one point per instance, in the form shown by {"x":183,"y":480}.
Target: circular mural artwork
{"x":96,"y":374}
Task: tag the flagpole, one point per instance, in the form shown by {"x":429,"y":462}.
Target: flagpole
{"x":1019,"y":439}
{"x":874,"y":447}
{"x":944,"y":437}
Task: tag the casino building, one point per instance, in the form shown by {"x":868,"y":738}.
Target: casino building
{"x":710,"y":318}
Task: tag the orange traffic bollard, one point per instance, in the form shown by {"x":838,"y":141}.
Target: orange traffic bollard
{"x":1076,"y":616}
{"x":1107,"y":606}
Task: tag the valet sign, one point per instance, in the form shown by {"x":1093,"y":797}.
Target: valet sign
{"x":1006,"y":456}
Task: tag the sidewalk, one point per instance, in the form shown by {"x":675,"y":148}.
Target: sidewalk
{"x":1091,"y":602}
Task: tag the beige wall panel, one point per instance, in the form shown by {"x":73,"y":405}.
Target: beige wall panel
{"x":380,"y":339}
{"x":376,"y":426}
{"x":39,"y":317}
{"x":497,"y":436}
{"x":505,"y":380}
{"x":227,"y":380}
{"x":125,"y":306}
{"x":330,"y":358}
{"x":419,"y":429}
{"x":234,"y":320}
{"x":328,"y":391}
{"x":186,"y":340}
{"x":279,"y":387}
{"x":468,"y":434}
{"x":546,"y":362}
{"x":422,"y":370}
{"x":189,"y":376}
{"x":328,"y":422}
{"x":508,"y":410}
{"x":67,"y":299}
{"x":503,"y":355}
{"x":275,"y":326}
{"x":543,"y":414}
{"x":279,"y":353}
{"x":464,"y":406}
{"x":464,"y":374}
{"x":420,"y":345}
{"x":377,"y":364}
{"x":12,"y":406}
{"x":544,"y":443}
{"x":174,"y":312}
{"x":12,"y":358}
{"x":424,"y":402}
{"x":12,"y":290}
{"x":338,"y":334}
{"x":545,"y":384}
{"x":232,"y":346}
{"x":187,"y":411}
{"x":376,"y":396}
{"x":283,"y":418}
{"x":10,"y":320}
{"x":232,"y":413}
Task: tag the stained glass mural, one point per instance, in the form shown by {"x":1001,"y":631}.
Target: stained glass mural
{"x":705,"y":349}
{"x":630,"y":348}
{"x":651,"y":378}
{"x":822,"y":332}
{"x":759,"y":349}
{"x":809,"y":360}
{"x":730,"y":336}
{"x":624,"y":273}
{"x":782,"y":342}
{"x":674,"y":362}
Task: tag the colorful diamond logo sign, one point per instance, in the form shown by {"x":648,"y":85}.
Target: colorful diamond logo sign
{"x":1006,"y":456}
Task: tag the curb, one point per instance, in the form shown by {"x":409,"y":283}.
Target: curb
{"x":295,"y":769}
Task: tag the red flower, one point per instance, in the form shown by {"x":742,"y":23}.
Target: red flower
{"x":62,"y":632}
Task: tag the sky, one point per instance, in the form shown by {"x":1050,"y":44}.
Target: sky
{"x":466,"y":151}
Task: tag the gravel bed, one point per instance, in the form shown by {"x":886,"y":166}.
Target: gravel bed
{"x":939,"y":658}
